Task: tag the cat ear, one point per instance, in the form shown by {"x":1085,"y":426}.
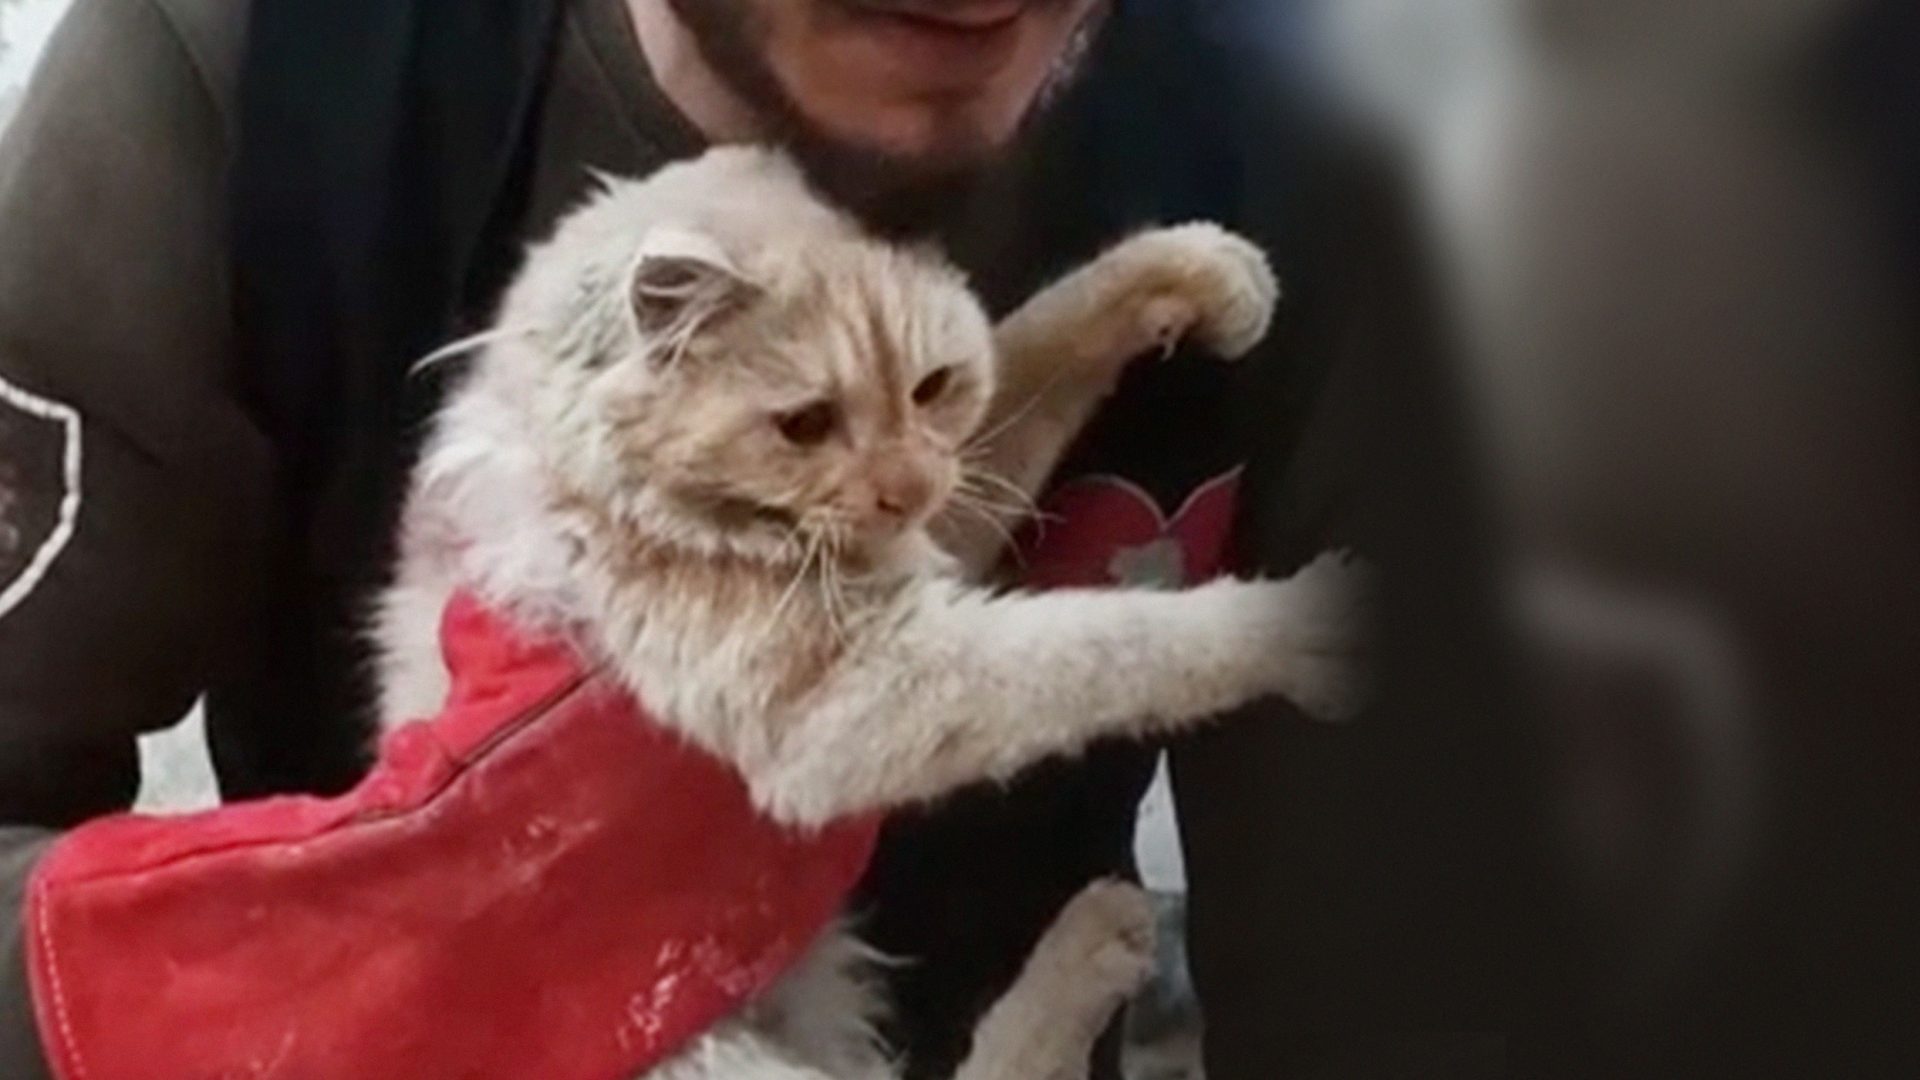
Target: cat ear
{"x":682,"y":282}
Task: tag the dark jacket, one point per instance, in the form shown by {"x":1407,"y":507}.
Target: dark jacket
{"x":224,"y":247}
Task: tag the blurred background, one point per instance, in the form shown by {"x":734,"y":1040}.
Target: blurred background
{"x":1672,"y":244}
{"x":1674,"y":248}
{"x":24,"y":26}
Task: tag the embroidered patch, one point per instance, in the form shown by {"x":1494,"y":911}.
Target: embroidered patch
{"x":1104,"y":530}
{"x":39,"y":488}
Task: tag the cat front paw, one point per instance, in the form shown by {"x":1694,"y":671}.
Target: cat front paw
{"x":1102,"y":944}
{"x":1317,"y":633}
{"x":1205,"y":283}
{"x":1326,"y":606}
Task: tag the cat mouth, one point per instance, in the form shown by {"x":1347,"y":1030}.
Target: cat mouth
{"x":733,"y":511}
{"x":741,"y":514}
{"x":774,"y":515}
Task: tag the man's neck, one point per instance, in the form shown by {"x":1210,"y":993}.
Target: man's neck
{"x":688,"y":81}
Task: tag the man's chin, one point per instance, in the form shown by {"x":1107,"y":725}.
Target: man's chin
{"x":903,"y":182}
{"x":895,"y":193}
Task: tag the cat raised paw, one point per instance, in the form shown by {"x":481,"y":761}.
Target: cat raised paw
{"x":1202,"y":282}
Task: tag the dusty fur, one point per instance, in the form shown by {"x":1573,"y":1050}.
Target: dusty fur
{"x":749,"y":459}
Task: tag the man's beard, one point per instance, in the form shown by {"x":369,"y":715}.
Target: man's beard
{"x":894,"y":194}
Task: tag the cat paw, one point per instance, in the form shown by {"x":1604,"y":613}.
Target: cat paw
{"x":1314,"y":635}
{"x":1103,"y":942}
{"x":1208,"y":284}
{"x":1095,"y":957}
{"x":1326,"y":602}
{"x":1325,"y":607}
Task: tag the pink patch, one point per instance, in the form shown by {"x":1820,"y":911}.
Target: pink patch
{"x":1105,"y":530}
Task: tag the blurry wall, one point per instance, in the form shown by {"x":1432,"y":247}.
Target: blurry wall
{"x":1680,"y":282}
{"x":24,"y":27}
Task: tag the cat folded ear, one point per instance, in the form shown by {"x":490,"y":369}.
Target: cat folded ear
{"x":683,"y":281}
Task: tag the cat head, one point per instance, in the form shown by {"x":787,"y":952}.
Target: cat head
{"x":714,"y":358}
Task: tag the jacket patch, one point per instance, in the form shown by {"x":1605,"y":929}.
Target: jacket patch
{"x":39,"y":488}
{"x":1104,"y":530}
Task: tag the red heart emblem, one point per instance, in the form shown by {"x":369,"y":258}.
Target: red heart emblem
{"x":1105,"y":530}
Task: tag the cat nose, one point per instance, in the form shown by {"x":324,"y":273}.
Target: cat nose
{"x":901,"y":500}
{"x":901,"y":492}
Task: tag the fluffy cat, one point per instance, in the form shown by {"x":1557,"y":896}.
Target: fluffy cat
{"x":748,"y":458}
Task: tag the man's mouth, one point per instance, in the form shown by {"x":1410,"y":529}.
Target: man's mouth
{"x":944,"y":45}
{"x":955,"y":16}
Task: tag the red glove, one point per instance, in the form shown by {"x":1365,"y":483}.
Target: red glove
{"x":541,"y":882}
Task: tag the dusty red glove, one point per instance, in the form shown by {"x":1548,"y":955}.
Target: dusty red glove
{"x":541,"y":882}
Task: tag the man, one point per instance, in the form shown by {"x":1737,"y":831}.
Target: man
{"x":227,"y":230}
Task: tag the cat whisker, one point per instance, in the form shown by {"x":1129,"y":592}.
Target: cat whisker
{"x":986,"y":437}
{"x":831,"y":591}
{"x":810,"y":552}
{"x":1025,"y":510}
{"x":464,"y":346}
{"x":994,"y":522}
{"x":987,"y":476}
{"x":824,"y":547}
{"x":1012,"y":511}
{"x":1000,"y":512}
{"x":991,"y":520}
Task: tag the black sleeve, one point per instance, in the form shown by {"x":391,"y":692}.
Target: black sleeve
{"x":134,"y":478}
{"x":130,"y":477}
{"x":1347,"y":881}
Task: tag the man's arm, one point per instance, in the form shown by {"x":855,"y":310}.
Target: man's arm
{"x":131,"y":480}
{"x":134,"y":476}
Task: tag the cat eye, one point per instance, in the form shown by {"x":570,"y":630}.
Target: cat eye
{"x":811,"y":425}
{"x":933,"y":387}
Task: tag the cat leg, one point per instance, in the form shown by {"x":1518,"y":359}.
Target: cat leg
{"x":1062,"y":353}
{"x":956,"y":685}
{"x":1095,"y":956}
{"x":817,"y":1022}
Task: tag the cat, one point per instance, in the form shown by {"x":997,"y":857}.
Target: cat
{"x":750,"y":459}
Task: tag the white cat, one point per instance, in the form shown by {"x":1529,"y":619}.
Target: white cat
{"x":712,"y":442}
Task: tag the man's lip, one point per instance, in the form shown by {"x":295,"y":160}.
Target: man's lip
{"x":966,"y":16}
